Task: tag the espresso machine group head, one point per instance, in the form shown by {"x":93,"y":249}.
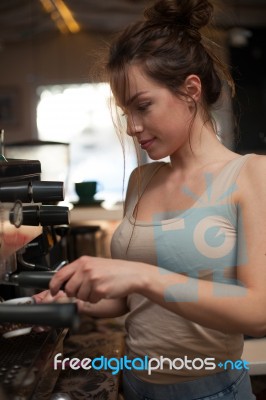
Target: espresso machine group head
{"x":23,"y":219}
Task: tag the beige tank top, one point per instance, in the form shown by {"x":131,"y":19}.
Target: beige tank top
{"x":152,"y":330}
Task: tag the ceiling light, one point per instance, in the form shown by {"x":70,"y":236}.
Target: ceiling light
{"x":239,"y":37}
{"x":61,"y":15}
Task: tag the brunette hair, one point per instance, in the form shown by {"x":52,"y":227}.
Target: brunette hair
{"x":168,"y":45}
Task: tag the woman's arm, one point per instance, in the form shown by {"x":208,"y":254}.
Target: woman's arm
{"x":106,"y":308}
{"x":238,"y":309}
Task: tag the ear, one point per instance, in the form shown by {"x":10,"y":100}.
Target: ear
{"x":192,"y":86}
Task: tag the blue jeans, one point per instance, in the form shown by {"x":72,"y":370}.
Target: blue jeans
{"x":227,"y":385}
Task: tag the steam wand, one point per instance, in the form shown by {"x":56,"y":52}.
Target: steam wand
{"x":30,"y":266}
{"x":2,"y":157}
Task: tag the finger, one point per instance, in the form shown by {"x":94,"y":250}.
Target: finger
{"x":48,"y":298}
{"x":88,"y":292}
{"x":94,"y":298}
{"x":72,"y":287}
{"x":61,"y":277}
{"x":38,"y":297}
{"x":52,"y":299}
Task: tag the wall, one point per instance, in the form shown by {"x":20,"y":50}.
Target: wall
{"x":62,"y":59}
{"x":42,"y":61}
{"x":249,"y":71}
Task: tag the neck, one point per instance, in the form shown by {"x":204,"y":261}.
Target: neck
{"x":201,"y":149}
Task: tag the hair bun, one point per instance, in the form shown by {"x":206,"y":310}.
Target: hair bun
{"x":189,"y":14}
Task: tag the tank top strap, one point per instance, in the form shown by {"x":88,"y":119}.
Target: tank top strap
{"x":232,"y":169}
{"x":147,"y":172}
{"x":222,"y":186}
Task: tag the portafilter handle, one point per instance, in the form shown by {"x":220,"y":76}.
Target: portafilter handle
{"x":31,"y":279}
{"x":52,"y":314}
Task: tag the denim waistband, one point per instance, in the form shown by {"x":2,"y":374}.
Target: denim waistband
{"x":205,"y":386}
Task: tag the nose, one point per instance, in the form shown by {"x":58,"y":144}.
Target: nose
{"x":134,"y":126}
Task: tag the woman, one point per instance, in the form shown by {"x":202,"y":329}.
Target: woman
{"x":189,"y":256}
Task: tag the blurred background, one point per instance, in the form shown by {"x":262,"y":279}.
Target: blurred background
{"x":54,"y":106}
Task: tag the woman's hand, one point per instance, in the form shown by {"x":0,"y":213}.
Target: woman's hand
{"x":92,"y":279}
{"x":46,"y":297}
{"x":60,"y":297}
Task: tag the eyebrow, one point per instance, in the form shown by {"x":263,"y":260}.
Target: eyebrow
{"x":128,"y":102}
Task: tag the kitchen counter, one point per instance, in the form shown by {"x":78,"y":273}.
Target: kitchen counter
{"x":106,"y":218}
{"x":96,"y":213}
{"x":95,"y":338}
{"x":255,"y":354}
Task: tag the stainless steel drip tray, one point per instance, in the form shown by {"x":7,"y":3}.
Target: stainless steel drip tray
{"x":23,"y":362}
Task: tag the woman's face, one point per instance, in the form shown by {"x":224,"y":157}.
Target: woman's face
{"x":160,"y":120}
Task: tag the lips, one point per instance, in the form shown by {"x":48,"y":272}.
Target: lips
{"x":145,"y":144}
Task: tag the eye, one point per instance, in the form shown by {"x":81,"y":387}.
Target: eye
{"x":143,"y":106}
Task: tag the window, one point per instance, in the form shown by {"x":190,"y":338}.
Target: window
{"x":80,"y":115}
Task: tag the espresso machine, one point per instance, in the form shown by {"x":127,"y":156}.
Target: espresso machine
{"x":31,"y":223}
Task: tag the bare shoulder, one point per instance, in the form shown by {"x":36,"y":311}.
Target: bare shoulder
{"x":255,"y":167}
{"x":251,"y":180}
